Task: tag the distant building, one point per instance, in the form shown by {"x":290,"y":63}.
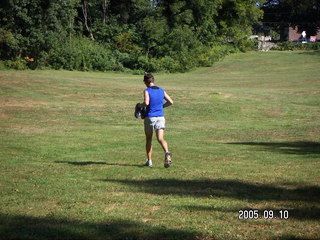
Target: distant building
{"x":295,"y":34}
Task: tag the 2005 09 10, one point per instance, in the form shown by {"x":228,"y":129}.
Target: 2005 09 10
{"x":263,"y":214}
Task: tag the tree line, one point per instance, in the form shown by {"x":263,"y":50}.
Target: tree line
{"x":121,"y":35}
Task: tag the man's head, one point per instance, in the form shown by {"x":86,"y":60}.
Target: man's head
{"x":148,"y":78}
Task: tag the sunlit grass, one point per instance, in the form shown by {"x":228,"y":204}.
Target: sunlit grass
{"x":244,"y":135}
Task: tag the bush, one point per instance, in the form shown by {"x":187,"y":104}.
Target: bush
{"x":2,"y":65}
{"x":285,"y":46}
{"x":86,"y":55}
{"x":169,"y":64}
{"x":17,"y":64}
{"x":148,"y":64}
{"x":81,"y":54}
{"x":218,"y":51}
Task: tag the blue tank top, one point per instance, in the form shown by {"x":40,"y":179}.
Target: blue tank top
{"x":155,"y":108}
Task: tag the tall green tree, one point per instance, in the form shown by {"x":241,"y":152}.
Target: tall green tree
{"x":235,"y":20}
{"x":37,"y":25}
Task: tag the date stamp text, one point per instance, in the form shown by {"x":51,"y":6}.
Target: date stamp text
{"x":282,"y":214}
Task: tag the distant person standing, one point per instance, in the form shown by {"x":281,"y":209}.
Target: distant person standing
{"x":154,"y":98}
{"x":304,"y":35}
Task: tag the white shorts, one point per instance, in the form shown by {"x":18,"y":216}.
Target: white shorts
{"x":154,"y":123}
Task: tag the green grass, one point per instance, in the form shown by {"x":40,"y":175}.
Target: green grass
{"x":245,"y":134}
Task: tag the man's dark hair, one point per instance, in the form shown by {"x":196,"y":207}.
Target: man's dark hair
{"x":148,"y":78}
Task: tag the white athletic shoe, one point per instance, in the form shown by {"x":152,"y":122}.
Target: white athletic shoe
{"x":148,"y":163}
{"x":168,"y":159}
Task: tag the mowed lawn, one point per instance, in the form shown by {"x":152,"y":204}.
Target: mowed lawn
{"x":244,"y":133}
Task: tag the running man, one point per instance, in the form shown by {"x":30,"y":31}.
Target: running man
{"x":154,"y":120}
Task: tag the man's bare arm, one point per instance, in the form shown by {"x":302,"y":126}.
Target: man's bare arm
{"x":146,"y":100}
{"x":168,"y":99}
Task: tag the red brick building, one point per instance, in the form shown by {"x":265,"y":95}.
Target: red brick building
{"x":295,"y":34}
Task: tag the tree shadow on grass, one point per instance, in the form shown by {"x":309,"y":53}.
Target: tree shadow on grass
{"x":298,"y":148}
{"x":25,"y":227}
{"x":222,"y":188}
{"x":85,"y":163}
{"x":291,"y":237}
{"x":314,"y":52}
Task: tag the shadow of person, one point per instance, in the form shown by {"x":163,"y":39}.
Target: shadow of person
{"x":85,"y":163}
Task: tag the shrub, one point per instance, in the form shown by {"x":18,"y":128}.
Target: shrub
{"x":17,"y":64}
{"x":86,"y":55}
{"x":2,"y":65}
{"x":168,"y":64}
{"x":285,"y":46}
{"x":219,"y":51}
{"x":81,"y":54}
{"x":148,"y":64}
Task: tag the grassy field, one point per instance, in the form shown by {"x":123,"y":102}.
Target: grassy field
{"x":245,"y":135}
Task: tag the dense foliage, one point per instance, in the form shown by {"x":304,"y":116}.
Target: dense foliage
{"x":280,"y":14}
{"x":145,"y":35}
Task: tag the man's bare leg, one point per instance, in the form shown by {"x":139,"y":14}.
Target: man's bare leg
{"x":149,"y":144}
{"x":160,"y":138}
{"x":164,"y":144}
